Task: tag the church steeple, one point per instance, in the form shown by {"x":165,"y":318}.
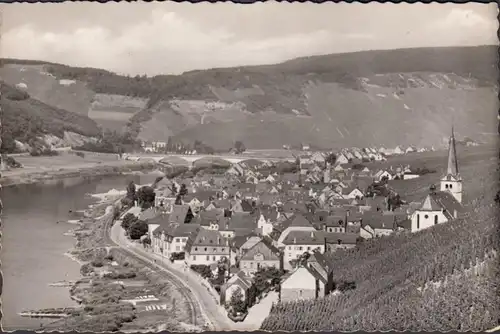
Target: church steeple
{"x":451,"y":181}
{"x":452,"y":155}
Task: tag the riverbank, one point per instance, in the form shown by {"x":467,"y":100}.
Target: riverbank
{"x":110,"y":276}
{"x":41,"y":169}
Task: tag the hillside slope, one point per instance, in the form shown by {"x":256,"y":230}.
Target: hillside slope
{"x":26,"y":120}
{"x":69,"y":95}
{"x":407,"y":96}
{"x":73,"y":93}
{"x":333,"y":101}
{"x":440,"y":279}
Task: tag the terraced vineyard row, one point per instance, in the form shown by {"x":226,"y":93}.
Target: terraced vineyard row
{"x":443,"y":278}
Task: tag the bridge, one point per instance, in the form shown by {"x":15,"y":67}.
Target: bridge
{"x":191,"y":159}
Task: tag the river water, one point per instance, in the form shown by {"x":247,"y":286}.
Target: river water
{"x":33,"y":243}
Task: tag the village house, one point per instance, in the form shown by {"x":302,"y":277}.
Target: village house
{"x":341,"y":159}
{"x":318,"y":158}
{"x":352,"y":193}
{"x":240,"y":282}
{"x":206,"y":247}
{"x":296,"y":243}
{"x":409,"y":174}
{"x":262,"y":254}
{"x":334,"y":241}
{"x":377,"y":225}
{"x":171,"y":239}
{"x":297,"y":222}
{"x":306,"y":282}
{"x":266,"y":221}
{"x":382,"y":174}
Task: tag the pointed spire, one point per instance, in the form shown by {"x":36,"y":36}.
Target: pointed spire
{"x":452,"y":155}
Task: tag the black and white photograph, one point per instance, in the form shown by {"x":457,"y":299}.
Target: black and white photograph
{"x":274,"y":166}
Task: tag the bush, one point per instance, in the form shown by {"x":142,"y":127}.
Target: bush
{"x":43,"y":152}
{"x":17,"y":95}
{"x":97,"y":263}
{"x":80,"y":154}
{"x":138,"y":229}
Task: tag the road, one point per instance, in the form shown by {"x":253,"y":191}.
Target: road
{"x":200,"y":298}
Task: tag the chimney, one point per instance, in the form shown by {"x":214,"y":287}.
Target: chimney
{"x":312,"y":234}
{"x":218,"y":240}
{"x":294,"y":240}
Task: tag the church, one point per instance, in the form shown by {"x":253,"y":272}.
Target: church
{"x":445,"y":204}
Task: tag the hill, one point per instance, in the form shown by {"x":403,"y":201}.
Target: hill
{"x":443,"y":278}
{"x":326,"y":101}
{"x":74,"y":93}
{"x":26,"y":120}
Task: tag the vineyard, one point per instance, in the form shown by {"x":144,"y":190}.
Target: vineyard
{"x":443,"y":278}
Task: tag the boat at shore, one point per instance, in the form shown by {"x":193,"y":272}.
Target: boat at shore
{"x":49,"y":313}
{"x":62,"y":284}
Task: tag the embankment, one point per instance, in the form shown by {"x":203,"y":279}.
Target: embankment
{"x":111,"y":276}
{"x":21,"y":176}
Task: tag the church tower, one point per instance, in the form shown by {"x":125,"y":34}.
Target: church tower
{"x":452,"y":181}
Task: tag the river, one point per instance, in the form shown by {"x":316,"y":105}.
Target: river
{"x":33,"y":243}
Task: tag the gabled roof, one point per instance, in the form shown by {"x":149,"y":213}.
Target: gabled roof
{"x":430,"y":204}
{"x":345,"y":238}
{"x":379,"y":221}
{"x":206,"y":237}
{"x":304,"y":238}
{"x":239,"y":279}
{"x":260,"y":247}
{"x":240,"y":220}
{"x":299,"y":220}
{"x":447,"y":201}
{"x":148,"y":214}
{"x":318,"y":257}
{"x":179,"y":213}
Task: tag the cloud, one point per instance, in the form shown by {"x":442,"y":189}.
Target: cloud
{"x":166,"y":43}
{"x":466,"y":27}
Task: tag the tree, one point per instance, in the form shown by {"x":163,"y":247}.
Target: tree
{"x":138,"y":229}
{"x":146,"y":196}
{"x":183,"y":191}
{"x":331,"y":158}
{"x":178,"y":200}
{"x":239,"y":147}
{"x":237,"y":302}
{"x":174,"y":190}
{"x":128,"y":221}
{"x":131,"y":191}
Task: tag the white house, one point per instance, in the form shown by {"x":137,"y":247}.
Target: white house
{"x":342,"y":159}
{"x":353,"y":193}
{"x":383,"y":174}
{"x":295,"y":223}
{"x":297,"y":243}
{"x":300,"y":285}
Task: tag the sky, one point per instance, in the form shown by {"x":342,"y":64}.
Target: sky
{"x":171,"y":38}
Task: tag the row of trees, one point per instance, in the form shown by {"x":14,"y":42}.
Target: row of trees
{"x":145,"y":196}
{"x":134,"y":227}
{"x":112,"y":142}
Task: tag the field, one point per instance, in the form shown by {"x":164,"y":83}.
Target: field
{"x":443,"y":278}
{"x":112,"y":111}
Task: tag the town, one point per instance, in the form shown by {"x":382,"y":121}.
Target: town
{"x":254,"y":227}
